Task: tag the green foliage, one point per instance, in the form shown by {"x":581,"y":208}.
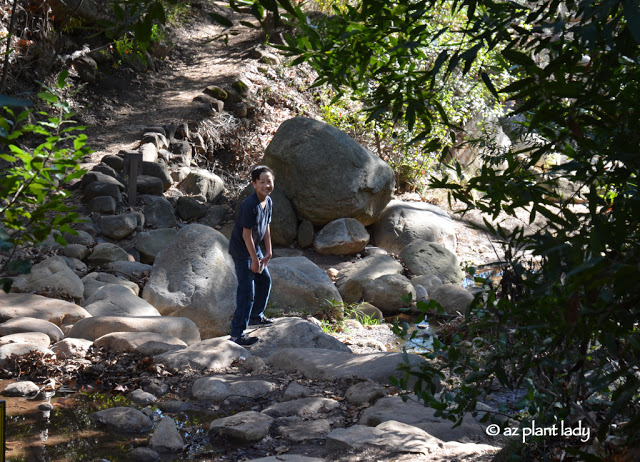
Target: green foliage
{"x":32,"y":187}
{"x":563,"y":326}
{"x":411,"y":115}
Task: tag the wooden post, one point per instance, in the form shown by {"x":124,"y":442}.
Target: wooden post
{"x":3,"y":429}
{"x":133,"y":163}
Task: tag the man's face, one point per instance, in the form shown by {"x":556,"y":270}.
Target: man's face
{"x":263,"y":185}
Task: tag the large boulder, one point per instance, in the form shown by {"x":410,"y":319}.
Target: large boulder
{"x":401,"y":223}
{"x":53,"y":310}
{"x":344,"y":236}
{"x":194,"y":277}
{"x":284,"y":222}
{"x":299,"y":285}
{"x":326,"y":174}
{"x":352,"y":279}
{"x":424,"y":258}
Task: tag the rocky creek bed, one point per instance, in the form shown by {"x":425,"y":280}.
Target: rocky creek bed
{"x":298,"y":404}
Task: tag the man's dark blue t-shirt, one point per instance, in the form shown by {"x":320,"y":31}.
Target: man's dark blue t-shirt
{"x":250,"y":215}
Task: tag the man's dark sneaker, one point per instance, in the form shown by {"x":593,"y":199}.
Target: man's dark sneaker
{"x":245,"y":341}
{"x":261,"y":322}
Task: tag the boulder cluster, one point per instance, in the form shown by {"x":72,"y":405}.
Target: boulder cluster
{"x":154,"y":277}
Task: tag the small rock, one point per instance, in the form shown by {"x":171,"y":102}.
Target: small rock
{"x":139,"y":396}
{"x":245,"y":427}
{"x":124,"y":420}
{"x":364,"y":392}
{"x":253,"y":365}
{"x":166,"y":437}
{"x":143,"y":455}
{"x":21,"y":389}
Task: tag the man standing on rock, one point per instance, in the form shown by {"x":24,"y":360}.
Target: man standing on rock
{"x":254,"y":280}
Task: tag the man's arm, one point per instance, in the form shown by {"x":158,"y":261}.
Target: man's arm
{"x":267,"y":245}
{"x":247,"y":236}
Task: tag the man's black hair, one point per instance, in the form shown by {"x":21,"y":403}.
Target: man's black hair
{"x":259,"y":170}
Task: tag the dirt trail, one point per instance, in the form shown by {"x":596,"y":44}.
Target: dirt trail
{"x":119,"y":107}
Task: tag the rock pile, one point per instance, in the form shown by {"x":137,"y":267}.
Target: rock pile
{"x":154,"y":278}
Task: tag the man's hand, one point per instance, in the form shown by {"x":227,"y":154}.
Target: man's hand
{"x":265,"y":259}
{"x":255,"y":265}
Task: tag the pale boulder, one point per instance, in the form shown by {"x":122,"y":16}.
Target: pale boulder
{"x":195,"y":278}
{"x":34,"y":338}
{"x":401,"y":223}
{"x":71,"y":348}
{"x":95,"y":327}
{"x":26,"y":324}
{"x":117,"y":300}
{"x":352,"y":279}
{"x":56,"y":311}
{"x":326,"y":174}
{"x":299,"y":284}
{"x":145,"y":343}
{"x":18,"y":349}
{"x":344,"y":236}
{"x":94,"y":281}
{"x":210,"y":354}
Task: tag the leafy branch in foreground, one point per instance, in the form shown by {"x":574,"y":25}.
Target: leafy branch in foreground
{"x":564,"y":330}
{"x":32,"y":186}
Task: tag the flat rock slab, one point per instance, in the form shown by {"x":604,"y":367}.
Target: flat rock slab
{"x":412,"y":413}
{"x":293,"y":333}
{"x":220,"y":388}
{"x":55,"y":311}
{"x":326,"y":364}
{"x":123,"y":420}
{"x":95,"y":327}
{"x":36,"y":338}
{"x":303,"y":407}
{"x":297,"y":430}
{"x":145,"y":343}
{"x":390,"y":435}
{"x":245,"y":427}
{"x":211,"y":354}
{"x":28,"y":324}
